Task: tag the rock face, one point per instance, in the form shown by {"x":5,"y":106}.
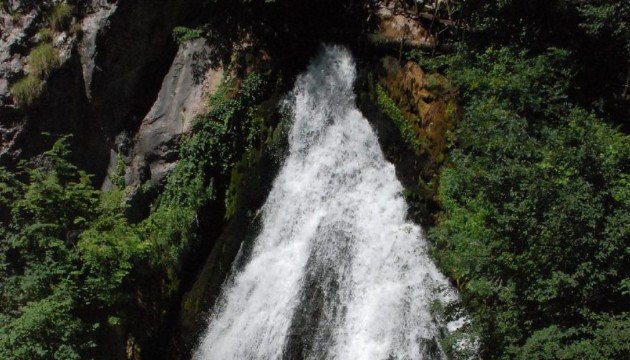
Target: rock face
{"x":427,"y":101}
{"x":14,"y":36}
{"x":151,"y":153}
{"x":109,"y":76}
{"x":62,"y":97}
{"x":396,"y":25}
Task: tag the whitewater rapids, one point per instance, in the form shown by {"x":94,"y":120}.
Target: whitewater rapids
{"x":336,"y":271}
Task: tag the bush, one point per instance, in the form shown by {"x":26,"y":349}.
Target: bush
{"x":27,"y":90}
{"x":68,"y":256}
{"x":61,"y":16}
{"x":43,"y":59}
{"x":182,"y":34}
{"x":390,"y":108}
{"x":45,"y":35}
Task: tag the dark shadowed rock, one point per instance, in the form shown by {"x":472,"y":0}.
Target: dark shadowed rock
{"x":152,"y":152}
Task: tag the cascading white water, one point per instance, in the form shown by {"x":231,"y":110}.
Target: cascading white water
{"x":336,"y":271}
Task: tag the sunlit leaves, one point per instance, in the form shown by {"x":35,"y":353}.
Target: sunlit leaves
{"x":535,"y":223}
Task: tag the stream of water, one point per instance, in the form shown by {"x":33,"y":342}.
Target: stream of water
{"x":336,"y":272}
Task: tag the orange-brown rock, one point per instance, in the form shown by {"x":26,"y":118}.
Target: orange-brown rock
{"x":428,"y":102}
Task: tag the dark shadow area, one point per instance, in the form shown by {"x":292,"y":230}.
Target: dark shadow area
{"x":54,"y":116}
{"x":287,"y":32}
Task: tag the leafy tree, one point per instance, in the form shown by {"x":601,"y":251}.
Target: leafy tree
{"x":534,"y":229}
{"x":65,"y":255}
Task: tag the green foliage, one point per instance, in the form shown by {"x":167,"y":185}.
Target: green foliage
{"x":219,"y":138}
{"x":45,"y":34}
{"x":61,"y":16}
{"x":182,"y":34}
{"x":27,"y":90}
{"x":109,"y":248}
{"x":606,"y":339}
{"x":535,"y":223}
{"x":605,"y":18}
{"x":43,"y":59}
{"x":595,"y":34}
{"x":65,"y":256}
{"x":390,"y":108}
{"x":118,"y":175}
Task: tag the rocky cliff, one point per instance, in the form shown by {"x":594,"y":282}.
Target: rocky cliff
{"x":118,"y":71}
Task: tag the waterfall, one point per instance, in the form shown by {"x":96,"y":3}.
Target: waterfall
{"x":336,"y":271}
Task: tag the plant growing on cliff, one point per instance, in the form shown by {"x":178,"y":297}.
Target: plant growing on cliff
{"x":204,"y":167}
{"x":43,"y":59}
{"x":45,"y":34}
{"x":182,"y":34}
{"x":27,"y":90}
{"x":389,"y":107}
{"x":61,"y":16}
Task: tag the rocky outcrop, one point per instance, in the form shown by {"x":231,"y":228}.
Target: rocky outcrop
{"x":16,"y":23}
{"x":21,"y":126}
{"x":92,"y":25}
{"x":151,"y":153}
{"x":112,"y":63}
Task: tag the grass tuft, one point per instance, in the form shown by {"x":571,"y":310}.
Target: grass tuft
{"x":61,"y":16}
{"x":43,"y":59}
{"x":45,"y":35}
{"x":27,"y":90}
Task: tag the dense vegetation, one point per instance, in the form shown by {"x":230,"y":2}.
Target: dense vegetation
{"x":535,"y":230}
{"x":65,"y":259}
{"x":536,"y":205}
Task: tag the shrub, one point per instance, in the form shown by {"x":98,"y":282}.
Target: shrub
{"x":61,"y":16}
{"x":182,"y":34}
{"x":43,"y":59}
{"x":390,"y":108}
{"x":27,"y":90}
{"x":45,"y":35}
{"x":536,"y":206}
